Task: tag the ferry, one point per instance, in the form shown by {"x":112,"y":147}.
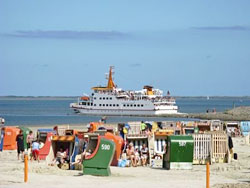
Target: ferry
{"x":111,"y":100}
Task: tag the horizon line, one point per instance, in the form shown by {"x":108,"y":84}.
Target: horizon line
{"x":72,"y":96}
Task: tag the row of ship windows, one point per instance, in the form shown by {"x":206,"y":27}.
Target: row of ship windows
{"x":124,"y":105}
{"x":104,"y":98}
{"x":91,"y":104}
{"x":133,"y":105}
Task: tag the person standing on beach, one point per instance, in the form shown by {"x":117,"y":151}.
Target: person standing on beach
{"x":230,"y":145}
{"x":143,"y":127}
{"x":29,"y":139}
{"x":20,"y":144}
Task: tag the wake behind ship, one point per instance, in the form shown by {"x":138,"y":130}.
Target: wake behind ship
{"x":111,"y":100}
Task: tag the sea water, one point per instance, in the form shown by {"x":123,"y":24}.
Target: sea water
{"x":52,"y":111}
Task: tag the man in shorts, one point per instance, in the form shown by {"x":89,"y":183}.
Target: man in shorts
{"x":20,"y":144}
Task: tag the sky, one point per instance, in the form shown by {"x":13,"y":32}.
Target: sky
{"x":63,"y":48}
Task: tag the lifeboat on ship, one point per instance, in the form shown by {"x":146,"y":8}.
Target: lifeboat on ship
{"x":84,"y":98}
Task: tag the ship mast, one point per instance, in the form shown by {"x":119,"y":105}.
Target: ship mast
{"x":111,"y":83}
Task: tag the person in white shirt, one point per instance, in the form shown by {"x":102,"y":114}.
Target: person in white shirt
{"x":35,"y":150}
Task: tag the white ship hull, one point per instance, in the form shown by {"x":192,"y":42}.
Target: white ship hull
{"x":125,"y":112}
{"x":116,"y":112}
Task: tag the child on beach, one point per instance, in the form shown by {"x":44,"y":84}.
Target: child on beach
{"x":35,"y":150}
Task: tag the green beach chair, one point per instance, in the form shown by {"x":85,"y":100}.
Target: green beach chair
{"x":98,"y":163}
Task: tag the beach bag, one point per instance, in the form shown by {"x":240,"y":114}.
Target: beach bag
{"x":119,"y":163}
{"x":127,"y":163}
{"x":65,"y":166}
{"x":235,"y":156}
{"x":122,"y":163}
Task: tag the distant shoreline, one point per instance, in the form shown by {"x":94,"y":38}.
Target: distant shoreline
{"x":38,"y":98}
{"x":75,"y":97}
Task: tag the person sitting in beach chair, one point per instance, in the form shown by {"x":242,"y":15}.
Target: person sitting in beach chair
{"x":130,"y":151}
{"x":85,"y":152}
{"x":144,"y":154}
{"x":137,"y":157}
{"x":81,"y":157}
{"x":60,"y":156}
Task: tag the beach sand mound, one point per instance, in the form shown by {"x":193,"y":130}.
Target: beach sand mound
{"x":237,"y":114}
{"x":242,"y":111}
{"x":235,"y":185}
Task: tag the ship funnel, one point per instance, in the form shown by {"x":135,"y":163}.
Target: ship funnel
{"x":149,"y":89}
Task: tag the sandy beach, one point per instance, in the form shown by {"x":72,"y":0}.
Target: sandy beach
{"x":140,"y":84}
{"x":236,"y":174}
